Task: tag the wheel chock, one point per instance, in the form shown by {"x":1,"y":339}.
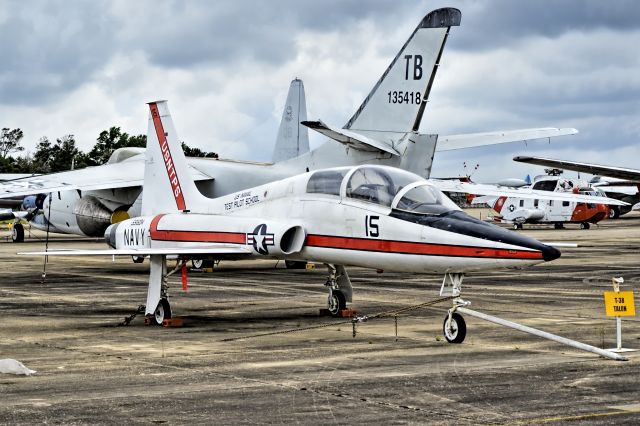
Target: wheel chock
{"x":173,"y":322}
{"x":149,"y":320}
{"x":345,"y":313}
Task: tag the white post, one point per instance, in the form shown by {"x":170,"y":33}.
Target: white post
{"x":619,"y":333}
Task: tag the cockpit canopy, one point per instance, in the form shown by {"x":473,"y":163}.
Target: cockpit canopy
{"x":382,"y":185}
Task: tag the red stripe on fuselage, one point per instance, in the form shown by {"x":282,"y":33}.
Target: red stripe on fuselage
{"x":405,"y":247}
{"x":166,"y":156}
{"x":194,"y":236}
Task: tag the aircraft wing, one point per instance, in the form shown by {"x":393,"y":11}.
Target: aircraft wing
{"x":8,"y":214}
{"x":201,"y":250}
{"x":594,"y":169}
{"x":117,"y":175}
{"x":471,"y":140}
{"x":492,"y":190}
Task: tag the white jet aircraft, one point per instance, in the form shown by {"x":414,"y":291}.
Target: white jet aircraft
{"x":384,"y":130}
{"x":371,"y":216}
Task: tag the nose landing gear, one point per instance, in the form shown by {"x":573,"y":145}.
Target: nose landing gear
{"x":454,"y":327}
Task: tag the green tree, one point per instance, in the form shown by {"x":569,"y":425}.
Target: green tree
{"x":110,"y":140}
{"x":10,"y":141}
{"x":197,"y":152}
{"x":58,"y":157}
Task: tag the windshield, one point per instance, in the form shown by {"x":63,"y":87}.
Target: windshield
{"x":425,"y":199}
{"x":378,"y":185}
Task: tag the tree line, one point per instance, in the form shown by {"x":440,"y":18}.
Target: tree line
{"x":63,"y":154}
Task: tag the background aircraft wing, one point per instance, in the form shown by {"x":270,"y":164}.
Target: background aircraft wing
{"x":483,"y":189}
{"x":117,"y":175}
{"x":594,"y":169}
{"x":201,"y":250}
{"x":470,"y":140}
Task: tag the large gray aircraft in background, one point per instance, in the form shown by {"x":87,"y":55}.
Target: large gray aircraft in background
{"x":383,"y":130}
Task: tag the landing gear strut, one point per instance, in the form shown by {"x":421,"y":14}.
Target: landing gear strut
{"x":454,"y":327}
{"x":158,"y":308}
{"x":340,"y":290}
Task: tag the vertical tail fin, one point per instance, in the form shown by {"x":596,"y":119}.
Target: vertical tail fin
{"x":397,"y":101}
{"x":168,"y":186}
{"x":293,"y":138}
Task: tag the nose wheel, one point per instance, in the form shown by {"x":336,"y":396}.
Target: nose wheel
{"x":454,"y":328}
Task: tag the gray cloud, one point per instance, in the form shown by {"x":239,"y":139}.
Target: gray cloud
{"x":49,"y":48}
{"x":80,"y":67}
{"x":504,"y":22}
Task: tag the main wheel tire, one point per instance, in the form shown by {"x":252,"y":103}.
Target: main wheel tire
{"x":458,"y":330}
{"x":585,"y":225}
{"x":558,"y":226}
{"x":162,"y":312}
{"x":202,"y":263}
{"x":336,"y":303}
{"x":293,"y":264}
{"x":18,"y":233}
{"x":137,"y":259}
{"x":614,"y":212}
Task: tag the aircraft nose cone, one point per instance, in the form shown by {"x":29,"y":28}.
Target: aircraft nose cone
{"x":550,"y":253}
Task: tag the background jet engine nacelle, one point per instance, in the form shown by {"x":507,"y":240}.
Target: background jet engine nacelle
{"x":93,"y":217}
{"x":33,"y":202}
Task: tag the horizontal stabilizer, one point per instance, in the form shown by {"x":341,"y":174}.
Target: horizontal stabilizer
{"x":471,"y":140}
{"x":200,"y":250}
{"x":350,"y":138}
{"x":492,"y":190}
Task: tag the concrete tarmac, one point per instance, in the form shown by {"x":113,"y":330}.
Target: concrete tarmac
{"x":224,"y":366}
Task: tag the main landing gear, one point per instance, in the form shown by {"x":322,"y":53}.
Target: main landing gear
{"x":340,"y":290}
{"x":454,"y":327}
{"x":585,"y":225}
{"x":17,"y":235}
{"x":158,"y":308}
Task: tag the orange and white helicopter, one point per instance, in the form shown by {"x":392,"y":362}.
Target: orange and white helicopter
{"x":519,"y":210}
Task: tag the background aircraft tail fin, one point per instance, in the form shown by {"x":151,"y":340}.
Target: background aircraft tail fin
{"x":397,"y":101}
{"x":168,"y":186}
{"x":293,"y":138}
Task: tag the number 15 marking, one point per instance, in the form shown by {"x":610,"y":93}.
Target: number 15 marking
{"x":371,"y":226}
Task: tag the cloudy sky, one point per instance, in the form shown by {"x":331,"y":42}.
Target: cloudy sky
{"x":79,"y":67}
